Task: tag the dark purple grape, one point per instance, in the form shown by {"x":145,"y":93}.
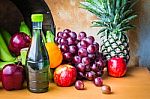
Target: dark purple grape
{"x":79,"y":45}
{"x":95,"y":43}
{"x":73,"y":35}
{"x":60,"y":34}
{"x":90,"y":39}
{"x":86,"y":60}
{"x":81,"y":35}
{"x":64,"y":48}
{"x":63,"y":42}
{"x":98,"y":81}
{"x":57,"y":40}
{"x":70,"y":41}
{"x":99,"y":55}
{"x":90,"y":75}
{"x":94,"y":68}
{"x":91,"y":49}
{"x":87,"y":68}
{"x":106,"y":89}
{"x":99,"y":62}
{"x":67,"y":56}
{"x":79,"y":85}
{"x":77,"y":59}
{"x":73,"y":49}
{"x":80,"y":75}
{"x":65,"y":35}
{"x":92,"y":56}
{"x":99,"y":73}
{"x":84,"y":44}
{"x":96,"y":46}
{"x":80,"y":67}
{"x":84,"y":39}
{"x":67,"y":31}
{"x":76,"y":42}
{"x":82,"y":52}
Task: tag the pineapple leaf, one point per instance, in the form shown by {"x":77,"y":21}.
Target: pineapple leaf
{"x":113,"y":15}
{"x":118,"y":2}
{"x":109,"y":7}
{"x":133,"y":2}
{"x":102,"y":31}
{"x":126,"y":28}
{"x":128,"y":19}
{"x":126,"y":13}
{"x":123,"y":8}
{"x":113,"y":6}
{"x":116,"y":19}
{"x":123,"y":2}
{"x":99,"y":23}
{"x":106,"y":18}
{"x":91,"y":8}
{"x":94,"y":4}
{"x":119,"y":35}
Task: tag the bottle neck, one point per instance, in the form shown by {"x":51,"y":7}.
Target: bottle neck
{"x":37,"y":25}
{"x":37,"y":28}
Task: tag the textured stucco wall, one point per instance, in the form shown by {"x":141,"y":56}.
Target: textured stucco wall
{"x":144,"y":33}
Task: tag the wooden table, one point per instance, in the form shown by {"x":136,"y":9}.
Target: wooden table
{"x":135,"y":85}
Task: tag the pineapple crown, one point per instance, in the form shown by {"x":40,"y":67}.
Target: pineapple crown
{"x":114,"y":16}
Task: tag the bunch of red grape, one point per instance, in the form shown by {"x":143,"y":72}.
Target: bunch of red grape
{"x":81,"y":51}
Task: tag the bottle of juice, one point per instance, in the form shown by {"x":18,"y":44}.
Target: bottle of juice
{"x":37,"y":62}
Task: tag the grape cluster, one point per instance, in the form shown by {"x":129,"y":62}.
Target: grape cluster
{"x":81,"y":51}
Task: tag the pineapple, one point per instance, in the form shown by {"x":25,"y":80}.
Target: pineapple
{"x":114,"y":17}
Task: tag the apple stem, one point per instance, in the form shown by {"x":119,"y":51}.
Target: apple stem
{"x":18,"y":63}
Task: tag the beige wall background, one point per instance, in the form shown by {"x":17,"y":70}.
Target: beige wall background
{"x":68,"y":14}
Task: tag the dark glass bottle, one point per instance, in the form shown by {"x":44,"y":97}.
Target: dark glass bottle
{"x":37,"y":59}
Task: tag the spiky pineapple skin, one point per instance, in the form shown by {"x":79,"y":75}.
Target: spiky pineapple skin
{"x":112,"y":46}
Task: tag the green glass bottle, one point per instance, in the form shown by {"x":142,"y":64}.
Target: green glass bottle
{"x":37,"y":61}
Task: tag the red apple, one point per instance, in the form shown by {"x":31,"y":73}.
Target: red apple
{"x":18,"y":41}
{"x":117,"y":67}
{"x":65,"y":75}
{"x":0,"y":75}
{"x":12,"y":77}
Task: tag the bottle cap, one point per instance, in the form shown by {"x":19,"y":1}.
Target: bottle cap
{"x":37,"y":17}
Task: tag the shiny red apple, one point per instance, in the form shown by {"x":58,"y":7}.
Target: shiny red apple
{"x":12,"y":77}
{"x":18,"y":41}
{"x":0,"y":75}
{"x":65,"y":75}
{"x":117,"y":67}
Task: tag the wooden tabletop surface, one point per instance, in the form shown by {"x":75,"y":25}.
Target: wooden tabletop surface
{"x":135,"y":85}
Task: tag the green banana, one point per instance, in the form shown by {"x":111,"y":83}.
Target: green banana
{"x":2,"y":64}
{"x":49,"y":36}
{"x":6,"y":36}
{"x":24,"y":28}
{"x":4,"y":52}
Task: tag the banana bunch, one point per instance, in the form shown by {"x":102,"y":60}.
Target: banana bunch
{"x":24,"y":28}
{"x":5,"y":55}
